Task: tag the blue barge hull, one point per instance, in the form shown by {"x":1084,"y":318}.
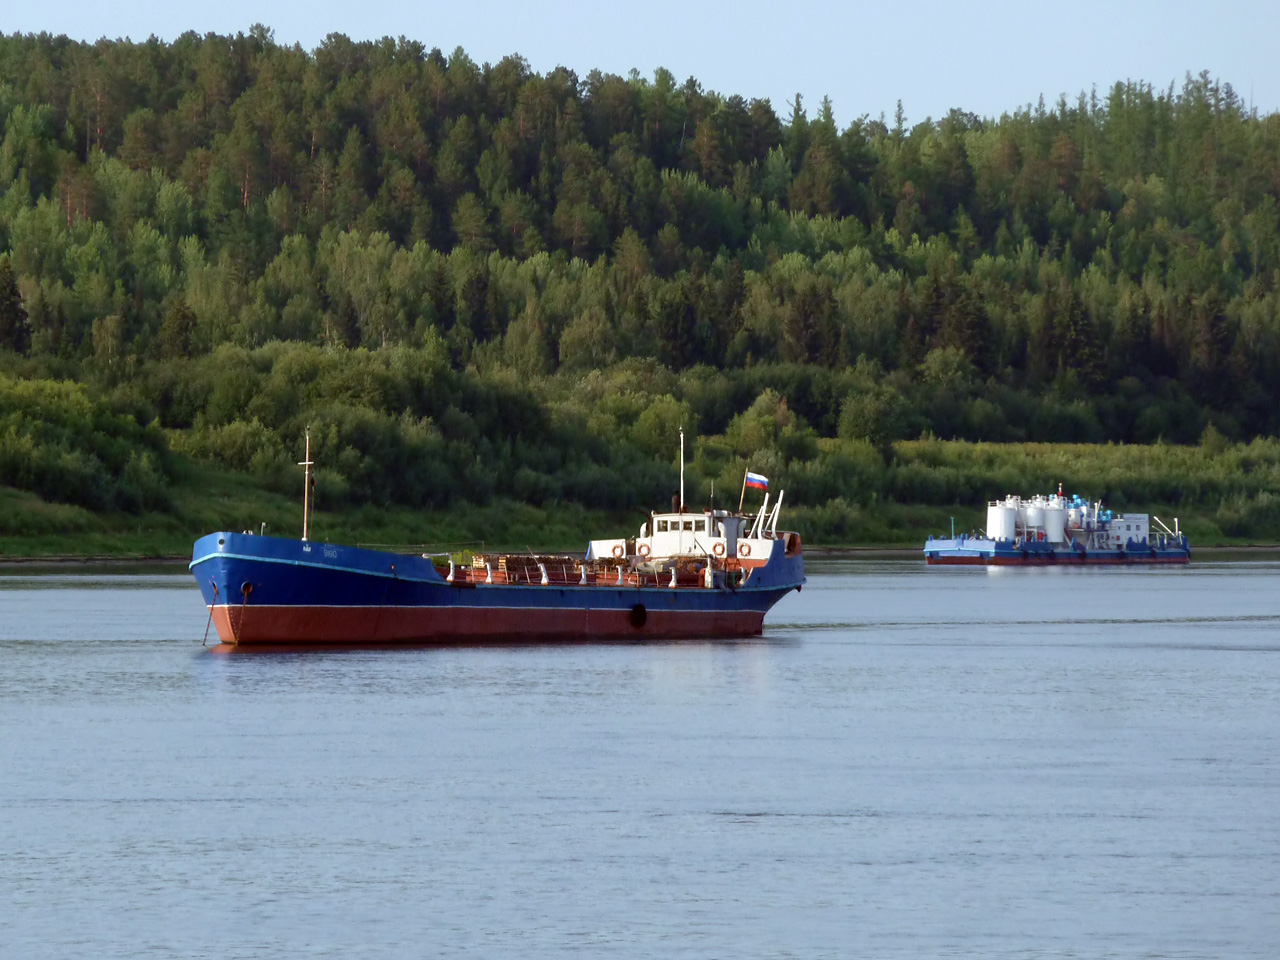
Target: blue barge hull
{"x":981,"y":551}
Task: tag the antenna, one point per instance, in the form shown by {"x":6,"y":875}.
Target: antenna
{"x":306,"y":465}
{"x":682,"y":469}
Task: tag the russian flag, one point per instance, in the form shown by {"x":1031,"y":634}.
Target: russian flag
{"x":756,"y":481}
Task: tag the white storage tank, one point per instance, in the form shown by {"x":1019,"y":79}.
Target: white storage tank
{"x":1001,"y":521}
{"x":1055,"y":522}
{"x":1035,"y":518}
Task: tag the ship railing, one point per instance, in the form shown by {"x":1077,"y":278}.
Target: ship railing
{"x":428,"y":550}
{"x":577,"y":575}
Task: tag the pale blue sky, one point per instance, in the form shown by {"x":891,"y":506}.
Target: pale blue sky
{"x":987,"y":58}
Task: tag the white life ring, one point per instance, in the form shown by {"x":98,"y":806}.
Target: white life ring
{"x":643,"y":549}
{"x":718,"y":549}
{"x":618,"y":551}
{"x":744,"y":549}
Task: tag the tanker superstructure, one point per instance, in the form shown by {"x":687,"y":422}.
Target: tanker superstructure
{"x":1054,"y":529}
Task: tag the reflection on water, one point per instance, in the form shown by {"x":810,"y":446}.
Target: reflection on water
{"x":912,"y":762}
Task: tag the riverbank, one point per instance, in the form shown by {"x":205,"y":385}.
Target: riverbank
{"x":1182,"y":483}
{"x":503,"y":526}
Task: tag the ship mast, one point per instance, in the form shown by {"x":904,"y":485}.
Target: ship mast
{"x":306,"y":488}
{"x":682,"y":469}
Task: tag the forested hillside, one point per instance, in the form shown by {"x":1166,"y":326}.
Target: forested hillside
{"x":476,"y":281}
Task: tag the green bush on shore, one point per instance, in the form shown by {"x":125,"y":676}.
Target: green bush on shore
{"x":58,"y":442}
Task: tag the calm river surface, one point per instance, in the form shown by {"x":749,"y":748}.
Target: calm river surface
{"x":913,"y":762}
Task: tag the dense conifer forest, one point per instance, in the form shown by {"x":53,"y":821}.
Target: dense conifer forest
{"x":476,"y":282}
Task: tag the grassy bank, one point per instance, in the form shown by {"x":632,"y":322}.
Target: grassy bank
{"x":1222,"y":495}
{"x":204,"y":500}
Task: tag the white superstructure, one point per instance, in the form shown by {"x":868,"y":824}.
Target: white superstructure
{"x":710,"y":542}
{"x":681,"y":534}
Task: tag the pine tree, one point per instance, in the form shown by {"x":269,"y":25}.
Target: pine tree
{"x":797,"y":133}
{"x":471,"y":224}
{"x":176,"y":329}
{"x":15,"y":326}
{"x":706,"y":148}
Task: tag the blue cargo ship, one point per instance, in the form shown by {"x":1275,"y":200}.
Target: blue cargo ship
{"x":704,"y":574}
{"x":1042,"y":530}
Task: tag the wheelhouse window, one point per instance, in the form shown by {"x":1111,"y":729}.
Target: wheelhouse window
{"x":700,"y":526}
{"x":688,"y":525}
{"x":662,"y":526}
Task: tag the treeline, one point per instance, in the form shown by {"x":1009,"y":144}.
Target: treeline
{"x":476,"y":279}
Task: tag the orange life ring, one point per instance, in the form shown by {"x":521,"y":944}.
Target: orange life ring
{"x":718,"y":549}
{"x":744,"y":549}
{"x":618,"y":551}
{"x":643,"y":549}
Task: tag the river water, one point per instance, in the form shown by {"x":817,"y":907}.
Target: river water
{"x":913,"y":762}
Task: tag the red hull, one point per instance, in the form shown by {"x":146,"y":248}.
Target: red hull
{"x":280,"y":625}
